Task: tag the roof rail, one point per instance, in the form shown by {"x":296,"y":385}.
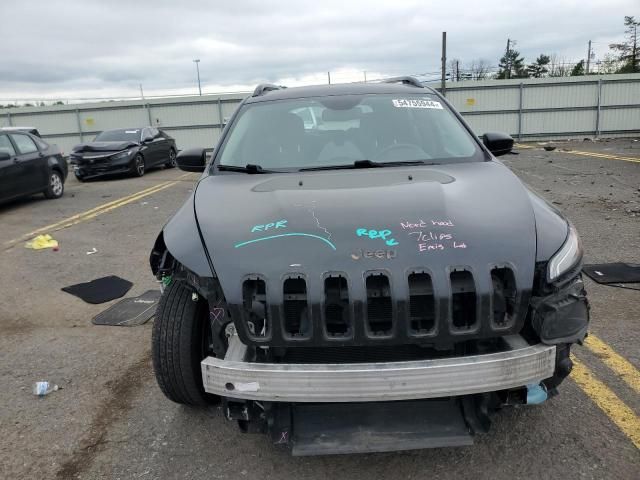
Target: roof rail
{"x":405,"y":81}
{"x":264,"y":88}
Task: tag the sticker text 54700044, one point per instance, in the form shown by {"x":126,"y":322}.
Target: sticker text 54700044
{"x":416,"y":103}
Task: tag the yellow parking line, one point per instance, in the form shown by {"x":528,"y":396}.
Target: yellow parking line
{"x":616,"y":362}
{"x":587,"y":154}
{"x":603,"y":155}
{"x":625,"y":419}
{"x":94,"y":212}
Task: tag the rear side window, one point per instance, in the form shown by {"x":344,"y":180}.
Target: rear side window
{"x":24,"y":143}
{"x":6,"y":145}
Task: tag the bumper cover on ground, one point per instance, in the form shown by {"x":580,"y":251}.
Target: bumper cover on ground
{"x":365,"y":382}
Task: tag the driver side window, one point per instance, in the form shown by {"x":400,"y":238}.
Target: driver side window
{"x":6,"y":145}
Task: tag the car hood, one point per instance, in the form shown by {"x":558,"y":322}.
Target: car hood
{"x":475,"y":216}
{"x":103,"y":146}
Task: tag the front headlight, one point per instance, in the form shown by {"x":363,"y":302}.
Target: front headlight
{"x":121,"y":155}
{"x":567,"y":257}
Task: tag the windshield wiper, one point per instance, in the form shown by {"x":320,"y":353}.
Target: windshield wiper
{"x":366,"y":164}
{"x":248,"y":168}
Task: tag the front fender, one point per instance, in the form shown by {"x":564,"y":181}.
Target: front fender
{"x":551,"y":228}
{"x":180,"y":238}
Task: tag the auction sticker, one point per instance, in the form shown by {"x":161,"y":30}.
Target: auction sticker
{"x":416,"y":103}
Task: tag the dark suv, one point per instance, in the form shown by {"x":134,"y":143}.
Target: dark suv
{"x":355,"y":271}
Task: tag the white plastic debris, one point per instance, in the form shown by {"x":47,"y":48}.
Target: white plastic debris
{"x":93,"y":250}
{"x":43,"y":388}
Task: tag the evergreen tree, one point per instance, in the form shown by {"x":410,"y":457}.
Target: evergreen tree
{"x":539,"y":68}
{"x":512,"y":65}
{"x":629,"y":51}
{"x":578,"y":69}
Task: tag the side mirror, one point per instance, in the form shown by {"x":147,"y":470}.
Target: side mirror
{"x":4,"y":156}
{"x":498,"y":143}
{"x":147,"y":139}
{"x":192,"y":160}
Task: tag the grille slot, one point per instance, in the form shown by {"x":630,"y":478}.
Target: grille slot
{"x":422,"y":317}
{"x":379,"y":305}
{"x":336,"y":307}
{"x":296,"y":311}
{"x":463,"y":300}
{"x":504,"y":296}
{"x":254,"y":298}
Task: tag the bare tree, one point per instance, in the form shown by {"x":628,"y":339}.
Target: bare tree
{"x":454,"y":69}
{"x":608,"y":64}
{"x":479,"y":69}
{"x":559,"y":67}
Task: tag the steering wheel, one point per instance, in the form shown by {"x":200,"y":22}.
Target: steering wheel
{"x":414,"y":152}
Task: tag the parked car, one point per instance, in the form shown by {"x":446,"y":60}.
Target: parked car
{"x":32,"y":130}
{"x":30,"y":165}
{"x":126,"y":150}
{"x":373,"y":281}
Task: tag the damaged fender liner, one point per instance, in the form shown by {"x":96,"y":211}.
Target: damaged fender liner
{"x":563,"y":316}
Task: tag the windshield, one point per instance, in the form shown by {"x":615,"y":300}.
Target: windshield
{"x":340,"y":130}
{"x":122,"y":135}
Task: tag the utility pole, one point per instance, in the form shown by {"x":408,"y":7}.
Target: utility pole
{"x":329,"y":77}
{"x":457,"y":70}
{"x":588,"y":58}
{"x":443,"y":87}
{"x":197,"y":62}
{"x":365,"y":76}
{"x":508,"y":72}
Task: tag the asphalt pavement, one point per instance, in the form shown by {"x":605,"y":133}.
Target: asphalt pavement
{"x":110,"y":420}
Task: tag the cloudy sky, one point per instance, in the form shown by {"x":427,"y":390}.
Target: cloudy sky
{"x":87,"y":48}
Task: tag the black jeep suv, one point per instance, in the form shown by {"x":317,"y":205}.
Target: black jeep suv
{"x":355,"y":271}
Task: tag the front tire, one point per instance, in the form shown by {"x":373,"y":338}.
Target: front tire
{"x":56,"y":185}
{"x":138,"y":167}
{"x":179,"y":332}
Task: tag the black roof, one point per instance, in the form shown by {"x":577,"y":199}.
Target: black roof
{"x":338,"y":89}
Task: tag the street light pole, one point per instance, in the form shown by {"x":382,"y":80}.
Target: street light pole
{"x":197,"y":61}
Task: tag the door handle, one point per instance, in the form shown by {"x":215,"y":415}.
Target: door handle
{"x":16,"y":160}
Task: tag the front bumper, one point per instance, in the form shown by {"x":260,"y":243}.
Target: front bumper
{"x":101,"y":166}
{"x":236,"y":377}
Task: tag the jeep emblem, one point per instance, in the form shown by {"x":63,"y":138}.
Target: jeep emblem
{"x":380,"y":254}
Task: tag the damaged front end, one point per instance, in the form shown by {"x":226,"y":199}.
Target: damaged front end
{"x":414,"y":365}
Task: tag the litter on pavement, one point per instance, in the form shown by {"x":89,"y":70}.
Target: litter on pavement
{"x":42,"y":241}
{"x":130,"y":312}
{"x":100,"y":290}
{"x":44,"y":388}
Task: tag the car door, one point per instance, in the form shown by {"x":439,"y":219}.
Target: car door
{"x":157,"y":145}
{"x":161,"y":146}
{"x":33,"y":172}
{"x":8,"y":170}
{"x":149,"y":148}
